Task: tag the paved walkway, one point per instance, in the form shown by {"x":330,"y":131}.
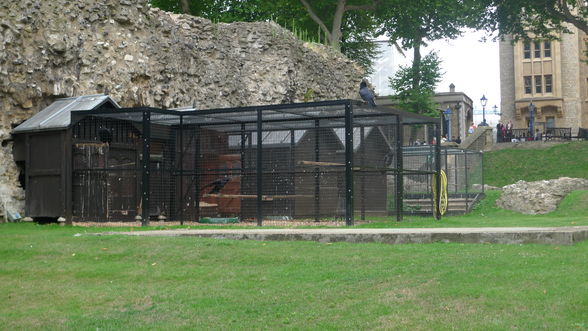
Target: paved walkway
{"x":521,"y":235}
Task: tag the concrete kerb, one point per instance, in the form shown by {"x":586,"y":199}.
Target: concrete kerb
{"x":514,"y":235}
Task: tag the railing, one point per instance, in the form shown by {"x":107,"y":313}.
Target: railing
{"x":549,"y":134}
{"x":582,"y":134}
{"x":519,"y":134}
{"x":558,"y":133}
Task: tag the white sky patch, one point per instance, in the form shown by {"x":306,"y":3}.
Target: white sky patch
{"x":472,"y":66}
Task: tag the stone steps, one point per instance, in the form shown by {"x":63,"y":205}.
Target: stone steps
{"x":455,"y":205}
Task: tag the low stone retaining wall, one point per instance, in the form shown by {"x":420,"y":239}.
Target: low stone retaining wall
{"x":554,"y":235}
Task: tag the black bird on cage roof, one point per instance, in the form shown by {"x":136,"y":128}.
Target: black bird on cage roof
{"x":366,"y":94}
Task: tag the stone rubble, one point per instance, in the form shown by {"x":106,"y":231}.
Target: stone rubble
{"x":145,"y":56}
{"x":540,"y":197}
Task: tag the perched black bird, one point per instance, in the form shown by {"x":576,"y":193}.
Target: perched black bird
{"x":217,"y":185}
{"x":105,"y":135}
{"x":366,"y":94}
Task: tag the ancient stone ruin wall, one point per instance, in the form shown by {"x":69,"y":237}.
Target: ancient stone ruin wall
{"x":539,"y":197}
{"x":144,"y":56}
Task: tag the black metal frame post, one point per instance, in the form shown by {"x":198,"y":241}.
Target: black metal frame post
{"x":482,"y":162}
{"x":293,"y":171}
{"x":250,"y":160}
{"x":446,"y":166}
{"x":317,"y":180}
{"x":181,"y":171}
{"x":145,"y":187}
{"x":362,"y":177}
{"x":242,"y":152}
{"x":399,"y":170}
{"x":456,"y":159}
{"x":437,"y":211}
{"x":197,"y":172}
{"x":67,"y":174}
{"x":465,"y":163}
{"x":259,"y":169}
{"x":348,"y":164}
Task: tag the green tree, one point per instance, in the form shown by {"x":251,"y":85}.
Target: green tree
{"x":414,"y":23}
{"x":524,"y":19}
{"x":325,"y":12}
{"x":419,"y":98}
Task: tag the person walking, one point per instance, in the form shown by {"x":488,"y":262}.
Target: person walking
{"x":509,"y":131}
{"x":499,"y":136}
{"x":472,"y":128}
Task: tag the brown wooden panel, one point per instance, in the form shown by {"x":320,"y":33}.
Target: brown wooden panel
{"x":89,"y":195}
{"x":43,"y":196}
{"x":46,"y":151}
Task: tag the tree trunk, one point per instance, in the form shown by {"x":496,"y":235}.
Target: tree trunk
{"x":185,"y":6}
{"x":336,"y":33}
{"x":416,"y":65}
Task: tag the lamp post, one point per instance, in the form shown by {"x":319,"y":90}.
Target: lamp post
{"x":531,"y":119}
{"x":483,"y":101}
{"x":447,"y":116}
{"x":457,"y":108}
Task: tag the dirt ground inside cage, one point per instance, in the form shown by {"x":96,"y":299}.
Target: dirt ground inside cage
{"x":279,"y":223}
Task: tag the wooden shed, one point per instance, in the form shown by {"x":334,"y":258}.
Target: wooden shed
{"x":43,"y":153}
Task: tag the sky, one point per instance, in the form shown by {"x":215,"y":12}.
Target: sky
{"x":472,"y":66}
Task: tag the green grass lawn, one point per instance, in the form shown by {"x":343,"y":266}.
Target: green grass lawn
{"x":52,"y":279}
{"x":508,"y":166}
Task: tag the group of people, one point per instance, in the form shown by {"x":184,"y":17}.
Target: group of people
{"x":504,"y":132}
{"x":433,"y":141}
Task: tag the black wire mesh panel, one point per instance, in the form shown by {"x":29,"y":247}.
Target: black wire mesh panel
{"x":105,"y":159}
{"x":316,"y":161}
{"x":162,"y":163}
{"x":463,"y":169}
{"x":202,"y":171}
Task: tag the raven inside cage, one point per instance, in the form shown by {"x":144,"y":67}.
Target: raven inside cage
{"x":308,"y":161}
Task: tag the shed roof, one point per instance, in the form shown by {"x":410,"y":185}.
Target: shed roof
{"x":58,"y":114}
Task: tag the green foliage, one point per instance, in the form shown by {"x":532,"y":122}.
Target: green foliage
{"x":412,"y":23}
{"x":525,"y":19}
{"x":418,"y":99}
{"x":309,"y":95}
{"x":357,"y":43}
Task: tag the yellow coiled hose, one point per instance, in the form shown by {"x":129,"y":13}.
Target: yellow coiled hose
{"x":443,"y":200}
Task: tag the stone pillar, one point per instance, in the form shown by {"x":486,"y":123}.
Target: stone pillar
{"x":507,"y":80}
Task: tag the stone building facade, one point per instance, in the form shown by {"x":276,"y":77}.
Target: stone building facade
{"x":462,"y":112}
{"x":140,"y":55}
{"x":549,"y":74}
{"x":459,"y":107}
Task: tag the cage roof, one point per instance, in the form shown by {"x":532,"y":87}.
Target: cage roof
{"x":58,"y":114}
{"x":295,"y":116}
